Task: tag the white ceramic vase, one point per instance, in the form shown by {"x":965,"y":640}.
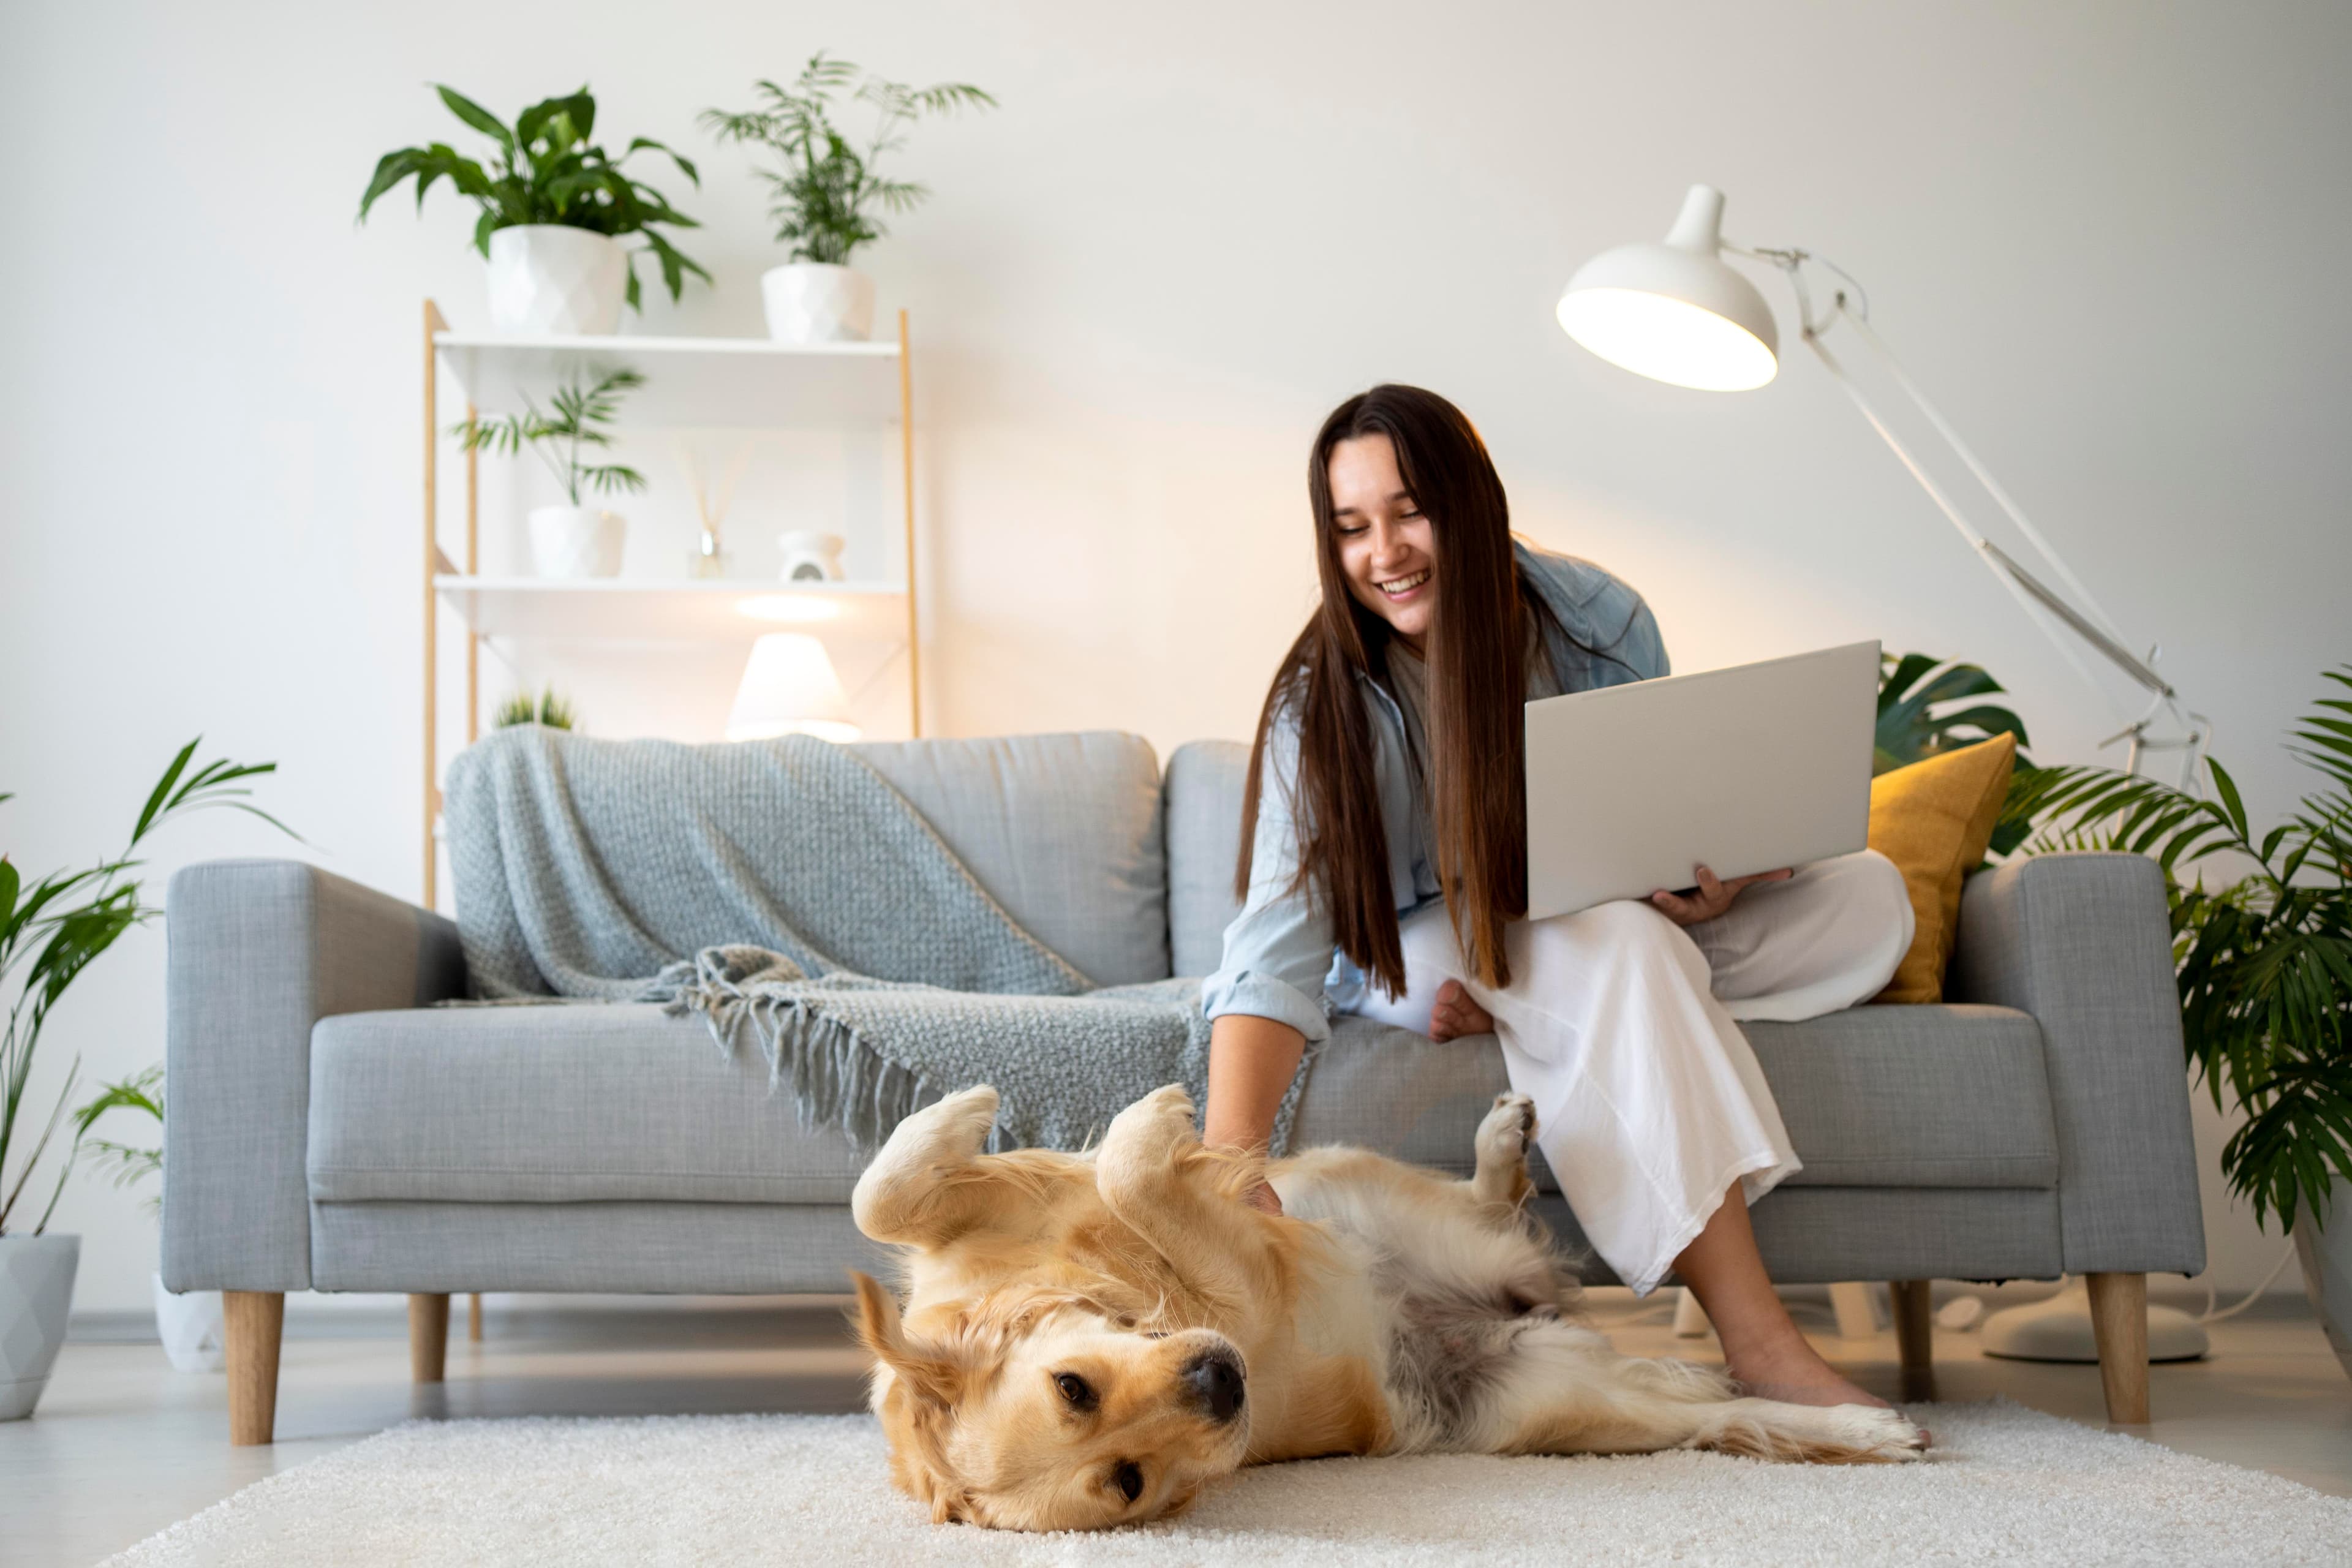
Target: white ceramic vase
{"x":576,"y":542}
{"x":192,"y":1326}
{"x":2325,"y":1254}
{"x":816,"y":302}
{"x":36,"y":1279}
{"x":546,"y":279}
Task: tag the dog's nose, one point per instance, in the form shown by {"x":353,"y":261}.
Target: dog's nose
{"x":1215,"y":1381}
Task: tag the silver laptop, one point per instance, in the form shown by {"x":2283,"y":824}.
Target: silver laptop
{"x":1740,"y":770}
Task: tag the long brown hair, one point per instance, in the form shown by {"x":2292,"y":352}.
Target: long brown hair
{"x":1476,"y":649}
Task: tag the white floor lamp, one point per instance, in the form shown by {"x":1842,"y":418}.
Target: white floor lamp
{"x":1677,"y":311}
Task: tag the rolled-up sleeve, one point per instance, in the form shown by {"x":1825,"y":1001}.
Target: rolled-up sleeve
{"x":1278,"y":949}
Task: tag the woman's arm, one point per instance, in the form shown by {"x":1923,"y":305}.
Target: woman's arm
{"x":1251,"y":1060}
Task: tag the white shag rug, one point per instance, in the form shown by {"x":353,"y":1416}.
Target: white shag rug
{"x":2005,"y":1485}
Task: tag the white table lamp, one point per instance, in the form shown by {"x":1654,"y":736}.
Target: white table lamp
{"x":1677,"y":311}
{"x":789,"y":689}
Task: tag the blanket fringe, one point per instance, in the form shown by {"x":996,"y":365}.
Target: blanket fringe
{"x":838,"y":1078}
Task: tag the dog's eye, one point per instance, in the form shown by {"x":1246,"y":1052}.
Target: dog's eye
{"x":1130,"y":1480}
{"x":1075,"y":1389}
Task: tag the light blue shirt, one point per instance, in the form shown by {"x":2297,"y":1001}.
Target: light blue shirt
{"x":1282,"y":961}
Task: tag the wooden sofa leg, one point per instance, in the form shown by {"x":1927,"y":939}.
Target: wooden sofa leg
{"x":428,"y":1337}
{"x":2119,"y":1324}
{"x":255,"y":1322}
{"x":474,"y":1317}
{"x":1913,"y":1337}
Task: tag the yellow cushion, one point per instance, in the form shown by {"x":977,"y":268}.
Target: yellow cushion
{"x":1933,"y":819}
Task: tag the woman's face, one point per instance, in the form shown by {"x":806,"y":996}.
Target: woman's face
{"x":1385,"y":545}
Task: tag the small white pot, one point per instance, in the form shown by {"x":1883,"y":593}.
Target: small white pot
{"x":576,"y":542}
{"x":546,"y":279}
{"x":816,"y":302}
{"x":193,"y":1329}
{"x":36,"y":1279}
{"x":811,"y":557}
{"x":2326,"y":1253}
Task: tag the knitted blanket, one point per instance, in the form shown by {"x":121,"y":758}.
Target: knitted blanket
{"x":784,"y":891}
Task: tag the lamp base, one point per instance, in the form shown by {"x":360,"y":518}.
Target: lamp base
{"x":2060,"y":1330}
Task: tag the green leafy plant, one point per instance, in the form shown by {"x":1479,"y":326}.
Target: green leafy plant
{"x":547,"y":709}
{"x":547,"y":170}
{"x":1928,"y":706}
{"x":827,"y":195}
{"x":2265,"y":961}
{"x":53,"y":931}
{"x":129,"y":1163}
{"x":578,"y":419}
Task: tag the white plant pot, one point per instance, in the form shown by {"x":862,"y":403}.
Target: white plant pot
{"x":36,"y":1277}
{"x":193,"y":1329}
{"x":576,"y":542}
{"x":816,"y":302}
{"x":2325,"y":1254}
{"x":549,"y":281}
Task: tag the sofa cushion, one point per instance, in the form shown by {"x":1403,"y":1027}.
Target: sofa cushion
{"x":566,"y":1104}
{"x":556,"y":1104}
{"x":1203,"y":792}
{"x":1064,"y":830}
{"x":1872,"y":1097}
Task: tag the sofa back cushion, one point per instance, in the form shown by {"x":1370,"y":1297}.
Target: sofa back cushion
{"x":1205,"y":779}
{"x":1064,"y":830}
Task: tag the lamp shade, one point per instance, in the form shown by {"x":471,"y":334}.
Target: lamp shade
{"x":789,"y":689}
{"x":1675,"y":311}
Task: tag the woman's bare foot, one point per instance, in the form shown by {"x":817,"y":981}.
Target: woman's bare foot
{"x":1456,"y":1015}
{"x":1793,"y":1372}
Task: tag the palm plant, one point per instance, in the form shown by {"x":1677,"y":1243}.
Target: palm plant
{"x":578,"y":420}
{"x":129,"y":1163}
{"x":826,"y":192}
{"x":56,"y":928}
{"x":1928,"y":706}
{"x":548,"y":172}
{"x":2265,"y":961}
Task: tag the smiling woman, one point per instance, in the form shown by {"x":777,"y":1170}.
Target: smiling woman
{"x":1384,"y":873}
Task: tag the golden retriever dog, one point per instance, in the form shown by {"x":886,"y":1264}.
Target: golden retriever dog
{"x":1088,"y":1340}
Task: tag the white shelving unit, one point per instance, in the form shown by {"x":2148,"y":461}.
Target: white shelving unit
{"x":691,"y":383}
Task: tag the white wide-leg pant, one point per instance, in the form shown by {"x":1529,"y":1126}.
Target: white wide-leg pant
{"x":1620,"y":1025}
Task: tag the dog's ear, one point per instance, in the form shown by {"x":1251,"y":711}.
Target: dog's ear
{"x":925,"y":1371}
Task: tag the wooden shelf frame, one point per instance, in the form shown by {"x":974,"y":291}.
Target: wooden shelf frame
{"x":840,"y":376}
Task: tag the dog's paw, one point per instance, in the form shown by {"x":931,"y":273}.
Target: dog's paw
{"x":958,"y":1123}
{"x":1878,"y":1434}
{"x":1504,"y":1135}
{"x":1147,"y":1136}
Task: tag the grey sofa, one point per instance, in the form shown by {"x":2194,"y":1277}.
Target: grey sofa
{"x":330,"y":1129}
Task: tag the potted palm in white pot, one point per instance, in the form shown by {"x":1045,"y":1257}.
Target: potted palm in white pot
{"x":554,"y":209}
{"x":572,"y":539}
{"x":2265,"y":974}
{"x":49,"y":934}
{"x":828,"y":199}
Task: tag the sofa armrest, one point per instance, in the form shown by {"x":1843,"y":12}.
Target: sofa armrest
{"x":259,"y":952}
{"x":2083,"y":942}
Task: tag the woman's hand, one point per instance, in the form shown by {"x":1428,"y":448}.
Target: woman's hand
{"x":1456,"y":1015}
{"x":1712,"y":897}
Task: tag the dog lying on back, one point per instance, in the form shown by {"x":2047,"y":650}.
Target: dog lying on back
{"x":1089,"y":1339}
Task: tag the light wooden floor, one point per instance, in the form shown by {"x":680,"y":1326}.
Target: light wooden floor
{"x":124,"y":1445}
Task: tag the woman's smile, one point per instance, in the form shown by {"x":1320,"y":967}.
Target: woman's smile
{"x":1386,"y":552}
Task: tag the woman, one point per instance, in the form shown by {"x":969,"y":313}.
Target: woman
{"x":1383,"y":871}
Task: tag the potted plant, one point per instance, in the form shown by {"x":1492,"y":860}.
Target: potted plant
{"x":546,"y":708}
{"x":2265,"y":974}
{"x":554,"y":208}
{"x":49,"y":934}
{"x":572,"y":539}
{"x":828,"y":198}
{"x":191,"y":1324}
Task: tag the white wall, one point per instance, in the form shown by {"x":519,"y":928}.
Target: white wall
{"x":2107,"y":236}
